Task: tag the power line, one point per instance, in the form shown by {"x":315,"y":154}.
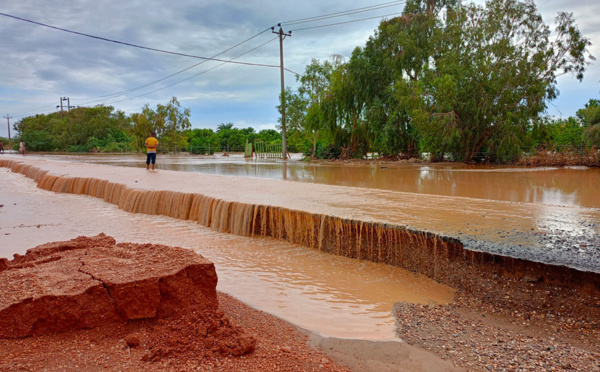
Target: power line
{"x":100,"y":98}
{"x":193,"y":76}
{"x":135,"y":45}
{"x":343,"y":23}
{"x":344,"y":13}
{"x":205,"y":59}
{"x":49,"y":108}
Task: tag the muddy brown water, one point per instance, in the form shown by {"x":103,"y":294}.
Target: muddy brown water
{"x":332,"y":295}
{"x":548,"y":215}
{"x":574,"y":186}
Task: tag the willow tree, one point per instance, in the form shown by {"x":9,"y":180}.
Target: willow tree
{"x":307,"y":111}
{"x":314,"y":86}
{"x":398,"y":52}
{"x":344,"y":105}
{"x":493,"y":70}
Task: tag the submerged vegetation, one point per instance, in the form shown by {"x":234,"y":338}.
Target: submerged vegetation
{"x":455,"y":81}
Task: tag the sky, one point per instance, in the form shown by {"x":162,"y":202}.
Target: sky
{"x":41,"y":65}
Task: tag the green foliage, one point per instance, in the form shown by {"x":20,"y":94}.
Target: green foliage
{"x":37,"y":140}
{"x":269,"y":136}
{"x":466,"y":81}
{"x":308,"y":112}
{"x":101,"y":129}
{"x":565,"y":132}
{"x":590,"y":119}
{"x":168,"y":121}
{"x":206,"y":141}
{"x":73,"y":130}
{"x":202,"y":141}
{"x":322,"y":151}
{"x":230,"y":138}
{"x":493,"y":70}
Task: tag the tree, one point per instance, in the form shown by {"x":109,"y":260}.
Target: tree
{"x":72,"y":130}
{"x":590,"y":119}
{"x":168,"y":121}
{"x":565,"y":132}
{"x":269,"y":136}
{"x":396,"y":53}
{"x":493,"y":70}
{"x":174,"y":121}
{"x":143,"y":125}
{"x":203,"y":141}
{"x":314,"y":86}
{"x":345,"y":106}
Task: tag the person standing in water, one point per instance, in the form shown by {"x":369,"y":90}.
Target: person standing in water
{"x":22,"y":147}
{"x":151,"y":145}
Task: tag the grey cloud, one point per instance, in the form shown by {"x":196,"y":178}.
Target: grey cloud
{"x":45,"y":64}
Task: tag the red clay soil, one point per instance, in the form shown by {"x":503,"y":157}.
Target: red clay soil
{"x":85,"y":282}
{"x":134,"y":346}
{"x":90,"y":304}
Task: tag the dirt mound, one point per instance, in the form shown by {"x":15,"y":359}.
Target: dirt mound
{"x":86,"y":282}
{"x":195,"y":333}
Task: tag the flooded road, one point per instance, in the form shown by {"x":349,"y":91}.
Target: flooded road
{"x":573,"y":186}
{"x":331,"y":295}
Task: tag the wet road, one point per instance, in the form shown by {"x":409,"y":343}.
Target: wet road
{"x":574,"y":186}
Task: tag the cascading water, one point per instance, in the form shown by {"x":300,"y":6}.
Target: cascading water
{"x":436,"y":256}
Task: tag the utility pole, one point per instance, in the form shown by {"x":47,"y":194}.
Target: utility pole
{"x":61,"y":99}
{"x":282,"y":36}
{"x":8,"y":117}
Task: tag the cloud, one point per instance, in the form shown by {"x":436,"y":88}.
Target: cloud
{"x":39,"y":64}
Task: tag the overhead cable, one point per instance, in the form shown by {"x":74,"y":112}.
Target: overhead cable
{"x":101,"y":98}
{"x":135,"y":45}
{"x":193,"y":76}
{"x":343,"y":23}
{"x":344,"y":13}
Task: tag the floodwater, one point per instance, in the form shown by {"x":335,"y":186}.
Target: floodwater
{"x":530,"y":211}
{"x":330,"y":295}
{"x":574,"y":186}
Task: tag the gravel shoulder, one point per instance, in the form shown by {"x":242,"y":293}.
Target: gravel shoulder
{"x":502,"y":331}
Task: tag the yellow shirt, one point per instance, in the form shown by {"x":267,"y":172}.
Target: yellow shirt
{"x":151,"y":144}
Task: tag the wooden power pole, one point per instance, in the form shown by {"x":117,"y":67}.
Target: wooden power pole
{"x":8,"y":117}
{"x":282,"y":36}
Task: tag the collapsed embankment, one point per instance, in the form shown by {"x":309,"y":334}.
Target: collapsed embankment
{"x":89,"y":281}
{"x":441,"y":258}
